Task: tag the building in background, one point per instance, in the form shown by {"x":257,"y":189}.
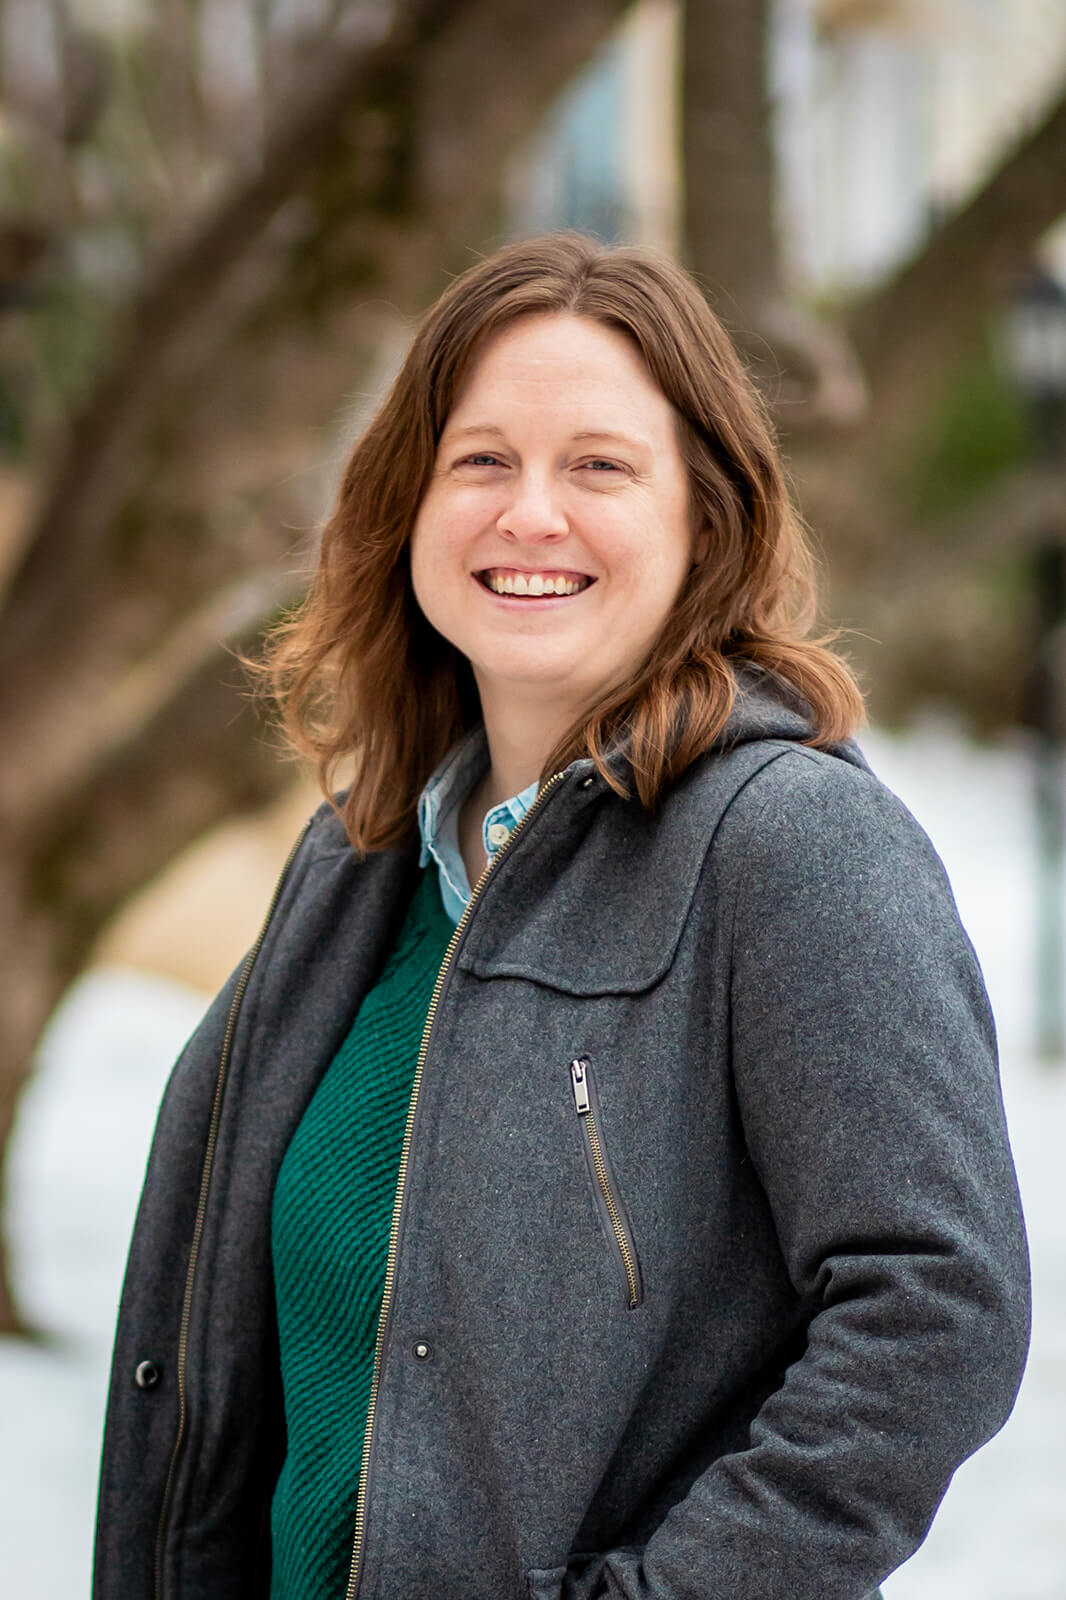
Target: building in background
{"x":887,"y":114}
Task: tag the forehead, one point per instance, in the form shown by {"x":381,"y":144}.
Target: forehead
{"x":572,"y":364}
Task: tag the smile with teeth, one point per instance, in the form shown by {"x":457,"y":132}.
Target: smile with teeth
{"x":503,"y":581}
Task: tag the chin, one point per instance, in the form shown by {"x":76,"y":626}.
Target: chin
{"x":553,"y":674}
{"x":553,"y":680}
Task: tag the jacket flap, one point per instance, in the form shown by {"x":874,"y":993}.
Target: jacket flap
{"x":593,"y":898}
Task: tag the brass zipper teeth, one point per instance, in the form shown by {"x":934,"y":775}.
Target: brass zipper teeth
{"x":201,"y":1206}
{"x":613,"y":1212}
{"x":394,"y":1234}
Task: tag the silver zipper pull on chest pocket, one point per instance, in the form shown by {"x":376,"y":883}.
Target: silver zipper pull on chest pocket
{"x":579,"y":1082}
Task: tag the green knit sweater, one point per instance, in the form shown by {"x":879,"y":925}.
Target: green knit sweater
{"x":332,"y":1215}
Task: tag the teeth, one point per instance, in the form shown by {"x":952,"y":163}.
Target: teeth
{"x":533,"y":583}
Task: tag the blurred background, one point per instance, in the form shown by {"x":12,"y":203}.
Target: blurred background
{"x":218,"y":219}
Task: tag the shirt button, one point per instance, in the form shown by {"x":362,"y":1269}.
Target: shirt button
{"x":498,"y":833}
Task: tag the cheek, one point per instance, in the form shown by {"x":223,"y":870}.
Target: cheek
{"x":429,"y":535}
{"x":659,"y":559}
{"x":659,"y":579}
{"x":437,"y":536}
{"x":438,"y":577}
{"x":422,"y":554}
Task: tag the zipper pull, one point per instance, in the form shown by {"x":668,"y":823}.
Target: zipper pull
{"x":579,"y":1082}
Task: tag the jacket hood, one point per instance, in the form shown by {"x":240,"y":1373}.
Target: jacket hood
{"x":767,"y":707}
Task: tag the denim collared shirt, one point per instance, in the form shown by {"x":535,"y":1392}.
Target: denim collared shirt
{"x":438,"y":817}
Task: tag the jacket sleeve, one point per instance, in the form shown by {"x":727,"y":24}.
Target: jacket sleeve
{"x":865,"y":1073}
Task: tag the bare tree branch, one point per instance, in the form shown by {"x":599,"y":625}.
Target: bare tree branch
{"x":91,"y":482}
{"x":1020,"y":513}
{"x":908,"y":332}
{"x":134,"y":538}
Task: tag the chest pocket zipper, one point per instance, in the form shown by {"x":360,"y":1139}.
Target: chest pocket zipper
{"x":608,"y":1197}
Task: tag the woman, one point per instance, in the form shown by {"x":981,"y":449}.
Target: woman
{"x":641,"y":1221}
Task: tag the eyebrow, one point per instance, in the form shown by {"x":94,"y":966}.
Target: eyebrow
{"x":611,"y":437}
{"x":606,"y":434}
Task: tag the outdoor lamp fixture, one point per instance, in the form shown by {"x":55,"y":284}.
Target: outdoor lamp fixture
{"x":1035,"y":348}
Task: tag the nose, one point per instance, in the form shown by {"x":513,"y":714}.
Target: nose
{"x":533,"y":513}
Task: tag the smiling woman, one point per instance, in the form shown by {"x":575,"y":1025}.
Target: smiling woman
{"x":625,"y":344}
{"x":550,"y":567}
{"x":594,"y":1184}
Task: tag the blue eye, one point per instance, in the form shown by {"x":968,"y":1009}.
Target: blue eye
{"x":482,"y":459}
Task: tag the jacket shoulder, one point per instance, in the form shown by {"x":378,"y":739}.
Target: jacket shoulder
{"x":827,"y":872}
{"x":808,"y":810}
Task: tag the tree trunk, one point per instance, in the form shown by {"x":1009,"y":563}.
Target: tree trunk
{"x":730,"y":238}
{"x":802,"y":364}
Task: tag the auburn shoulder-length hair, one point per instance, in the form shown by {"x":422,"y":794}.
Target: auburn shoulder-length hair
{"x":358,"y":671}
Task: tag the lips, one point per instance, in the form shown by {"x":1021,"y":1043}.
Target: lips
{"x":546,"y":583}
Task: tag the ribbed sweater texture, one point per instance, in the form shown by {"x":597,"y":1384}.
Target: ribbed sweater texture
{"x":331,"y":1220}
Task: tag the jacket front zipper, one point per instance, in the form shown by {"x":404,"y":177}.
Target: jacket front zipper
{"x":201,"y":1206}
{"x":587,"y":1108}
{"x":359,"y":1538}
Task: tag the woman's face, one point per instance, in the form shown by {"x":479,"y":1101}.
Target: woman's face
{"x":554,"y":536}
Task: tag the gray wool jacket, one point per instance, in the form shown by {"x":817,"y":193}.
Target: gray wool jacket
{"x":708,"y":1264}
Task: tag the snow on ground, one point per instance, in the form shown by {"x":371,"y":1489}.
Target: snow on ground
{"x":83,"y":1134}
{"x":1001,"y":1531}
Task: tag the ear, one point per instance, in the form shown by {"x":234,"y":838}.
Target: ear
{"x":701,"y":544}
